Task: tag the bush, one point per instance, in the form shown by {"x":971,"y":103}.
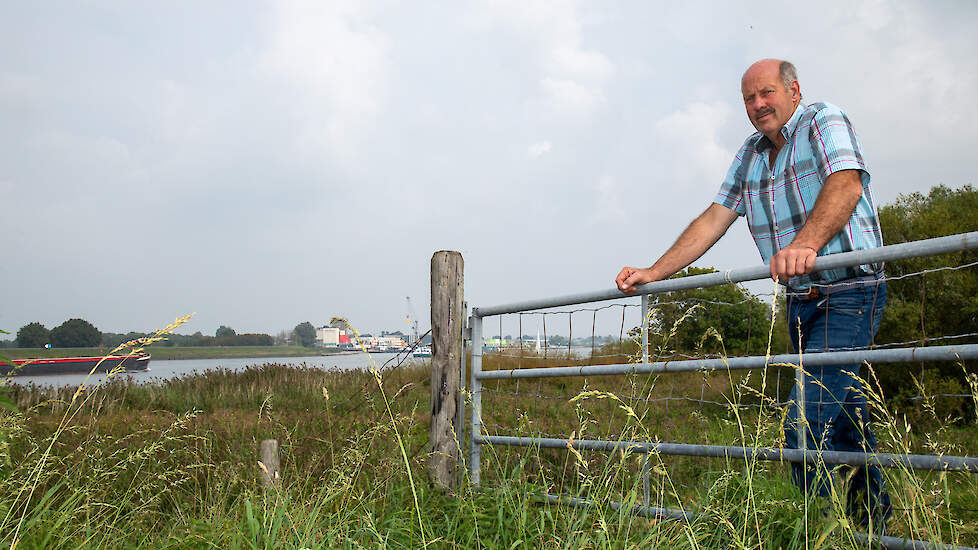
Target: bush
{"x":33,"y":335}
{"x":75,"y":333}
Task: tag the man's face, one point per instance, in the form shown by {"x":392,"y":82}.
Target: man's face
{"x":768,"y":103}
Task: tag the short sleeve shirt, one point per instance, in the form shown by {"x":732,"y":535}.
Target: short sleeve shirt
{"x":819,"y":141}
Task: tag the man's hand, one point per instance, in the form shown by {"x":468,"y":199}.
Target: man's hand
{"x":629,"y":277}
{"x":791,"y":261}
{"x":701,"y":234}
{"x":833,"y":207}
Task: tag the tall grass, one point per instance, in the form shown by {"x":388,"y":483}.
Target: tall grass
{"x":174,"y":464}
{"x":937,"y":506}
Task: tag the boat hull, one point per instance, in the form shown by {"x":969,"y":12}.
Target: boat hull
{"x":75,"y":365}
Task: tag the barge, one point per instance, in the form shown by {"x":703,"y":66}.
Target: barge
{"x":75,"y":365}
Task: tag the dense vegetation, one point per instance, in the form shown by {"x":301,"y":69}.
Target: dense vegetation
{"x":79,"y":333}
{"x":690,"y":321}
{"x":73,"y":333}
{"x":174,"y":465}
{"x":33,"y":335}
{"x":933,"y":308}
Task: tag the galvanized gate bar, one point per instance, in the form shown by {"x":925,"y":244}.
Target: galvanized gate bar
{"x":896,"y":543}
{"x":885,"y":460}
{"x":460,"y":424}
{"x":915,"y":249}
{"x":637,"y":509}
{"x":475,"y":451}
{"x":894,"y":355}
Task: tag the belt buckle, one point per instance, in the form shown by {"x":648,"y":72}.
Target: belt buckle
{"x":811,"y":294}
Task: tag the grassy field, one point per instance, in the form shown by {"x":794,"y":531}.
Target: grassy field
{"x":174,"y":465}
{"x":176,"y":352}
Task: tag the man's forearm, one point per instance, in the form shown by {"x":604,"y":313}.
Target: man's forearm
{"x":694,"y":241}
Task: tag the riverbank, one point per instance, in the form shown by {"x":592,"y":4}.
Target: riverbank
{"x":176,"y":352}
{"x":174,"y":465}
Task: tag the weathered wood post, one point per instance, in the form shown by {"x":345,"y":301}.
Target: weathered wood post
{"x":269,"y":464}
{"x":447,"y":312}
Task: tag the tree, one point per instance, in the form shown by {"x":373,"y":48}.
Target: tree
{"x":112,"y":340}
{"x":681,"y":320}
{"x":33,"y":335}
{"x":929,"y":306}
{"x":75,"y":333}
{"x":282,"y":338}
{"x":223,"y":332}
{"x":200,"y":340}
{"x":305,"y":334}
{"x":933,"y":304}
{"x":253,"y":340}
{"x":557,"y":340}
{"x":244,"y":340}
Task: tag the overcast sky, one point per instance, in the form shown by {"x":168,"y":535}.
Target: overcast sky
{"x":266,"y":163}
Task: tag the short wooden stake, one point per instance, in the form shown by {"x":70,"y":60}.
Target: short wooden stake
{"x":447,"y":311}
{"x":268,"y":463}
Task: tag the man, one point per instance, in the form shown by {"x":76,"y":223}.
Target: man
{"x":804,"y":188}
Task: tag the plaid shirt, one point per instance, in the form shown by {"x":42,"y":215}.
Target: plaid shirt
{"x":819,"y":142}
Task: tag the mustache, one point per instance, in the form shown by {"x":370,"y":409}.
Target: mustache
{"x":763,"y":112}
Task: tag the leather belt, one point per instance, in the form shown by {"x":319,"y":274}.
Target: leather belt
{"x":838,"y":286}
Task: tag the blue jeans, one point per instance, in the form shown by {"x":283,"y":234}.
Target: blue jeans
{"x":835,"y":406}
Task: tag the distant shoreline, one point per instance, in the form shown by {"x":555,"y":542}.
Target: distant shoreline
{"x":175,"y":353}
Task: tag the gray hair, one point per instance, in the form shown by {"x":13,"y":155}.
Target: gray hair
{"x":788,"y":74}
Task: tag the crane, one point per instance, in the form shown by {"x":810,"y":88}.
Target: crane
{"x":412,"y":320}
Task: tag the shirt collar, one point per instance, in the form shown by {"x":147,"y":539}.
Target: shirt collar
{"x":763,"y":143}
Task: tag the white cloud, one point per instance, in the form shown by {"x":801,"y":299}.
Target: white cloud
{"x":872,"y":14}
{"x":571,"y":96}
{"x":539,"y":149}
{"x":692,"y":151}
{"x":569,"y":59}
{"x":336,"y":64}
{"x":95,"y":164}
{"x":572,"y":76}
{"x":608,"y":207}
{"x":19,"y":87}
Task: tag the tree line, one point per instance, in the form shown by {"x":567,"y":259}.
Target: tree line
{"x":79,"y":333}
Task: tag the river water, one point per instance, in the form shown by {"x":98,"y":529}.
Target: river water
{"x":162,"y":370}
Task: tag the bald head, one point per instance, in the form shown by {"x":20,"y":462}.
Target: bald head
{"x":771,"y":95}
{"x":786,"y":71}
{"x":763,"y":67}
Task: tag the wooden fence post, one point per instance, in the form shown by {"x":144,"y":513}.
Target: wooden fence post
{"x":446,"y":344}
{"x":269,"y":464}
